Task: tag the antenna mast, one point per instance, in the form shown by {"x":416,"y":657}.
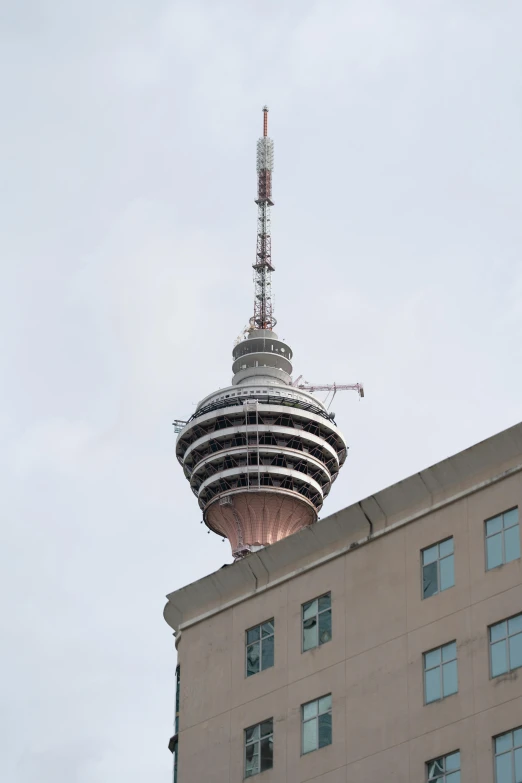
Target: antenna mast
{"x":263,"y":317}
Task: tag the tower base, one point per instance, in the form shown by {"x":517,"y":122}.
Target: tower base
{"x":255,"y":518}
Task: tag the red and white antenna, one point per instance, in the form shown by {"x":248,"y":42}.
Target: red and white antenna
{"x":263,"y":317}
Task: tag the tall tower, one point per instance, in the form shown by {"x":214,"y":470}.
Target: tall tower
{"x":261,"y":455}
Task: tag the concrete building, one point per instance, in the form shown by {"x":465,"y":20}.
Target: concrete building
{"x":382,"y":643}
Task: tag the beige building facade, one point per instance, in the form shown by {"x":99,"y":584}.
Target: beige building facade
{"x":383,"y":643}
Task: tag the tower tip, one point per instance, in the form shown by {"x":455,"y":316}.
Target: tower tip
{"x":265,"y":120}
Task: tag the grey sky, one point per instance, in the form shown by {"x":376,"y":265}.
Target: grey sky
{"x":128,"y":231}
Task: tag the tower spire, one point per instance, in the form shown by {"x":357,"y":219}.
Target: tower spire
{"x":263,"y":317}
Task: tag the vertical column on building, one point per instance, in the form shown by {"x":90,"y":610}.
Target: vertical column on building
{"x":173,"y":744}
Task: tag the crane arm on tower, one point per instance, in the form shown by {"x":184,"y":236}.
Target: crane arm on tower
{"x":178,"y":425}
{"x":335,"y":387}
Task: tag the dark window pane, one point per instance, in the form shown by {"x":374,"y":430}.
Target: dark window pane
{"x":267,"y":727}
{"x":435,"y":767}
{"x":450,"y":678}
{"x":498,"y":631}
{"x":447,"y":574}
{"x":430,"y":555}
{"x":504,"y":742}
{"x":309,"y":609}
{"x":512,"y":544}
{"x":251,"y":760}
{"x":432,"y":658}
{"x":325,"y":730}
{"x":267,"y":753}
{"x":252,"y":733}
{"x":494,"y":525}
{"x":518,"y":765}
{"x":325,"y":602}
{"x":453,"y":761}
{"x":267,"y":628}
{"x":515,"y":651}
{"x":498,"y":659}
{"x":432,"y":685}
{"x":494,"y":551}
{"x":310,"y":735}
{"x":310,"y":710}
{"x":267,"y":652}
{"x":429,"y":580}
{"x":253,"y":635}
{"x":503,"y":769}
{"x":511,"y":517}
{"x":310,"y":633}
{"x":252,"y":659}
{"x":325,"y":626}
{"x":325,"y":703}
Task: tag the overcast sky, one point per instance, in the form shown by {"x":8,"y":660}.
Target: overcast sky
{"x":128,"y":221}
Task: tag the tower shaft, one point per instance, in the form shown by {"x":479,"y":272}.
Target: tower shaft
{"x":263,"y":311}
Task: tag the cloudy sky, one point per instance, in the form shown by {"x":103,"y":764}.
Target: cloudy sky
{"x":128,"y":232}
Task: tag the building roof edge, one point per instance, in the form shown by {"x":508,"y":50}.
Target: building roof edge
{"x":467,"y":471}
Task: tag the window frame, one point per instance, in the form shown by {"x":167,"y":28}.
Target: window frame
{"x":438,"y":561}
{"x":316,"y":719}
{"x":442,"y":778}
{"x":175,"y":751}
{"x":260,"y":642}
{"x":510,"y":750}
{"x":178,"y":696}
{"x":257,"y":741}
{"x":505,"y":639}
{"x":439,"y":666}
{"x":502,"y":533}
{"x":317,"y":614}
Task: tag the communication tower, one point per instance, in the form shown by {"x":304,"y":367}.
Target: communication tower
{"x":262,"y":454}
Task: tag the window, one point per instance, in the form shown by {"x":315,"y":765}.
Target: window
{"x":259,"y":748}
{"x":437,"y":568}
{"x":316,"y":719}
{"x":260,"y":647}
{"x":502,"y":539}
{"x":445,"y":769}
{"x":176,"y":719}
{"x":508,"y":757}
{"x":317,"y":622}
{"x":440,"y":673}
{"x":505,"y":645}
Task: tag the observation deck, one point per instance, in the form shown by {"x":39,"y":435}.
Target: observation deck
{"x":260,"y":455}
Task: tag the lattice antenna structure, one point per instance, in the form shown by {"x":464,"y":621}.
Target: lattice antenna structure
{"x":263,"y":313}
